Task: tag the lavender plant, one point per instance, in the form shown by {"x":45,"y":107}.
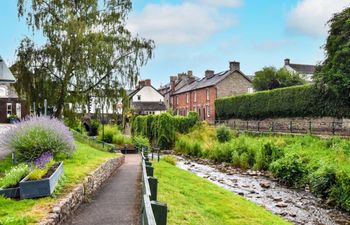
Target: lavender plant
{"x":42,"y":166}
{"x":34,"y":136}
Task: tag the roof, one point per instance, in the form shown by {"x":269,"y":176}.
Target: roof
{"x":207,"y":82}
{"x":180,"y":83}
{"x":5,"y":74}
{"x":303,"y":69}
{"x":149,"y":106}
{"x":132,"y":93}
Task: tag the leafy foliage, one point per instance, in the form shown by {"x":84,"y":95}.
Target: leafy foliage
{"x":170,"y":159}
{"x":32,"y":137}
{"x":270,"y":78}
{"x":335,"y":71}
{"x":14,"y":176}
{"x":298,"y":101}
{"x":223,"y":133}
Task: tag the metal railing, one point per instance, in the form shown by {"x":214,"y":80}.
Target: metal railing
{"x":152,"y":211}
{"x":289,"y":126}
{"x":93,"y":142}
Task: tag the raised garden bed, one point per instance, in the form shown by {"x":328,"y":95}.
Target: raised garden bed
{"x":43,"y":187}
{"x":10,"y":192}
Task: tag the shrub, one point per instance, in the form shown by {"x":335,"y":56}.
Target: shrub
{"x":322,"y":180}
{"x":223,"y":133}
{"x":14,"y":176}
{"x":340,"y":193}
{"x":268,"y":153}
{"x":141,"y":141}
{"x":170,"y":159}
{"x":95,"y":124}
{"x":190,"y":147}
{"x":36,"y":135}
{"x":291,"y":170}
{"x":108,"y":133}
{"x":298,"y":101}
{"x":221,"y":152}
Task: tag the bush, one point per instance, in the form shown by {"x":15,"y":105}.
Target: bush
{"x":223,"y":134}
{"x":221,"y":152}
{"x":291,"y":170}
{"x":298,"y":101}
{"x":36,"y":135}
{"x":140,"y":141}
{"x":170,"y":159}
{"x":322,"y":180}
{"x":268,"y":153}
{"x":108,"y":133}
{"x":190,"y":147}
{"x":340,"y":193}
{"x":14,"y":176}
{"x":95,"y":124}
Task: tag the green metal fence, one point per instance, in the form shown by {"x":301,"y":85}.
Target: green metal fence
{"x":93,"y":142}
{"x":152,"y":211}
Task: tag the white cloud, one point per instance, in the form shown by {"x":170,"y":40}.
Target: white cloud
{"x":310,"y":16}
{"x":187,"y":23}
{"x":222,"y":3}
{"x":272,"y":45}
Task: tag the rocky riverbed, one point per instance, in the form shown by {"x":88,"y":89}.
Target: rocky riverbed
{"x":297,"y":206}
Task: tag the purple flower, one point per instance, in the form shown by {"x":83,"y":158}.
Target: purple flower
{"x":43,"y":160}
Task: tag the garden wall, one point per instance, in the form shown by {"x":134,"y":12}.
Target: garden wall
{"x":321,"y":125}
{"x":68,"y":204}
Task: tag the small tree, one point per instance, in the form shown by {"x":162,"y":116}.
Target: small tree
{"x":335,"y":72}
{"x":270,"y":78}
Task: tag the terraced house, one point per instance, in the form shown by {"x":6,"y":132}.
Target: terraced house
{"x":199,"y":95}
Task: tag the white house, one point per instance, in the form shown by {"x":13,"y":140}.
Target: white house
{"x":306,"y":71}
{"x":146,"y":99}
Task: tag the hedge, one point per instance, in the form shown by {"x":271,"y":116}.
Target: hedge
{"x":161,"y":129}
{"x":297,"y":101}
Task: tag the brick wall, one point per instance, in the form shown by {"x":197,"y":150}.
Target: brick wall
{"x":234,"y":84}
{"x":13,"y":101}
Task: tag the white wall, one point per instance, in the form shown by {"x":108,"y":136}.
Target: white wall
{"x":148,"y":94}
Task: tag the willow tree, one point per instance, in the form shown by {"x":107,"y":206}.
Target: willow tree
{"x":86,"y":44}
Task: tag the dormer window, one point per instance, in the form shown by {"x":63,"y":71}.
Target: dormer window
{"x":139,"y":97}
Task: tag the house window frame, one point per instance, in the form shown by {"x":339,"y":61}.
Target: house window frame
{"x":195,"y":96}
{"x":138,"y":97}
{"x":208,"y":110}
{"x":177,"y":100}
{"x":208,"y":94}
{"x":9,"y":109}
{"x":187,"y":98}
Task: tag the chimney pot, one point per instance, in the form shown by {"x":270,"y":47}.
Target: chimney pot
{"x":209,"y":73}
{"x":190,"y":73}
{"x":286,"y":62}
{"x":234,"y":66}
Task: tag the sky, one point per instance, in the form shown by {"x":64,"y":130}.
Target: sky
{"x":206,"y":34}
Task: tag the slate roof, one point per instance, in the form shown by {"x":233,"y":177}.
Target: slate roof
{"x":303,"y":69}
{"x":5,"y":74}
{"x":207,"y":82}
{"x":149,"y":106}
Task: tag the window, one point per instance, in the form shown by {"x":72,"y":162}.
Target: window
{"x":19,"y":110}
{"x":208,"y":111}
{"x":208,"y":94}
{"x":186,"y":98}
{"x":9,"y":109}
{"x":195,"y":96}
{"x":194,"y":109}
{"x":139,"y":97}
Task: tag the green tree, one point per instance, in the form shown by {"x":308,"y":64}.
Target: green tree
{"x":87,"y":47}
{"x":334,"y":74}
{"x":270,"y":78}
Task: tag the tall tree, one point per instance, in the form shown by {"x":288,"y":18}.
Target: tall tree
{"x":270,"y":78}
{"x":87,"y":43}
{"x":334,"y":74}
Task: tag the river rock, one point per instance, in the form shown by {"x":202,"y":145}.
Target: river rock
{"x":281,"y":205}
{"x":265,"y":184}
{"x":277,"y":199}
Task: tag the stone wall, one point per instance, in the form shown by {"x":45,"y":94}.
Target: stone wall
{"x":69,"y":203}
{"x":322,"y":125}
{"x":235,"y":84}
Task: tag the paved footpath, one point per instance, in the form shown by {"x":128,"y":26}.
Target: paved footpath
{"x":117,"y":202}
{"x":3,"y":151}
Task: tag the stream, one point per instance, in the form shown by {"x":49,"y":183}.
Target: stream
{"x":297,"y":206}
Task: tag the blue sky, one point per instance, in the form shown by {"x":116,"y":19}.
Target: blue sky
{"x":206,"y":34}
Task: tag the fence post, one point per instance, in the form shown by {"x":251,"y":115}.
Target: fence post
{"x":160,"y":211}
{"x":247,"y":125}
{"x":273,"y":126}
{"x":291,"y":126}
{"x":234,"y":124}
{"x":333,"y":127}
{"x":153,"y":184}
{"x":258,"y":126}
{"x":149,"y":171}
{"x":310,"y":127}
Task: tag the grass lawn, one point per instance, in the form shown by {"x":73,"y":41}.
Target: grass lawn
{"x":84,"y":160}
{"x":194,"y":200}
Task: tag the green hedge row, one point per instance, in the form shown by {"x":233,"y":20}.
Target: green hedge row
{"x":161,"y":129}
{"x":297,"y":101}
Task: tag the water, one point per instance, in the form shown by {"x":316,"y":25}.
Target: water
{"x":297,"y":206}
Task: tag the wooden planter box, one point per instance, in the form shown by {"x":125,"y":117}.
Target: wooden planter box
{"x":40,"y":188}
{"x":10,"y":192}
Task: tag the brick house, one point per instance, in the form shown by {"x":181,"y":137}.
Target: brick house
{"x":200,"y":95}
{"x":10,"y":104}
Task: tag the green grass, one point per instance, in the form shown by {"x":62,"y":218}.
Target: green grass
{"x":84,"y":160}
{"x":195,"y":201}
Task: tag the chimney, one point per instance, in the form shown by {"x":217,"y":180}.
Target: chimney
{"x":181,"y":76}
{"x":286,"y":62}
{"x":173,"y":82}
{"x":209,"y":73}
{"x":141,"y":83}
{"x":148,"y":82}
{"x":190,"y":73}
{"x":234,"y":66}
{"x":191,"y":79}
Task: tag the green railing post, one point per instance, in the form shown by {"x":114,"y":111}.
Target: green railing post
{"x":149,"y":171}
{"x":160,"y":211}
{"x":153,"y":184}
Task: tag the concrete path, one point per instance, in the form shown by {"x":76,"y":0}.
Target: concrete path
{"x":117,"y":202}
{"x":3,"y":151}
